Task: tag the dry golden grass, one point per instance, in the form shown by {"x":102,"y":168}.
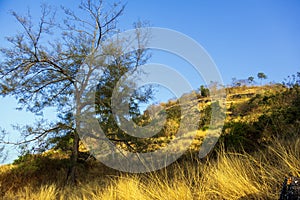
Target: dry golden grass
{"x":229,"y":176}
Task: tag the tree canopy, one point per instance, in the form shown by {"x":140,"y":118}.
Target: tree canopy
{"x":261,"y":76}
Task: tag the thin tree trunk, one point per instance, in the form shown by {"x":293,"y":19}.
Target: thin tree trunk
{"x":72,"y":171}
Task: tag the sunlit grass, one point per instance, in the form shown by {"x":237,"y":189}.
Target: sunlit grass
{"x":229,"y":176}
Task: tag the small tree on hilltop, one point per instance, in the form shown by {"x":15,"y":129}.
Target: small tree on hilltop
{"x":250,"y":79}
{"x":204,"y":92}
{"x":261,"y":76}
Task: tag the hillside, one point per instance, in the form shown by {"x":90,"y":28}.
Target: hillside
{"x":258,"y":148}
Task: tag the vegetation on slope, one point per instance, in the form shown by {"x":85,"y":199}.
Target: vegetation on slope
{"x":259,"y":147}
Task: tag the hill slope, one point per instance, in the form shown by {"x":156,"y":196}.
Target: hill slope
{"x":259,"y":147}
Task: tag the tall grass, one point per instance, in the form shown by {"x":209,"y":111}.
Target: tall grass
{"x":229,"y":176}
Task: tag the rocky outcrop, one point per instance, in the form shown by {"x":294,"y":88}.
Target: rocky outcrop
{"x":290,"y":189}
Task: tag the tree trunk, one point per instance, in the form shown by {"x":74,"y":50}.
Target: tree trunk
{"x":71,"y":176}
{"x":72,"y":171}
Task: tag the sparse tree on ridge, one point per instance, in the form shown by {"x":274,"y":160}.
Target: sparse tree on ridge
{"x":204,"y":92}
{"x":250,"y":79}
{"x":261,"y":76}
{"x":41,"y":64}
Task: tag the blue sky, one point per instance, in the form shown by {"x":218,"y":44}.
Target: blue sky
{"x":242,"y":37}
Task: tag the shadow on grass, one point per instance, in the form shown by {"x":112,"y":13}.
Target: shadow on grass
{"x":37,"y":170}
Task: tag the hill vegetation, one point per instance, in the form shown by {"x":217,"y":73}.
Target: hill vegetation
{"x":259,"y":147}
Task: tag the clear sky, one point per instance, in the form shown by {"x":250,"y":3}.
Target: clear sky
{"x":242,"y":37}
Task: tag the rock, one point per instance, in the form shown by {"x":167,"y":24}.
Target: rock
{"x":290,"y":189}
